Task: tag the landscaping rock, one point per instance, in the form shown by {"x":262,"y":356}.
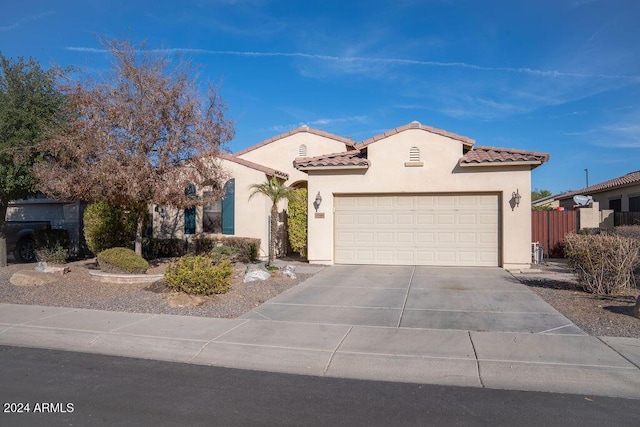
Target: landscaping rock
{"x":32,"y":278}
{"x":56,"y":271}
{"x":185,"y":300}
{"x":289,"y":271}
{"x":52,"y":269}
{"x":256,"y":272}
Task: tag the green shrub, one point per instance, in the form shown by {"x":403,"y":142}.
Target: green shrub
{"x":297,"y":221}
{"x":247,"y":247}
{"x":107,"y":227}
{"x":222,"y":252}
{"x":153,"y":248}
{"x":603,"y":263}
{"x":122,"y":260}
{"x":199,"y":274}
{"x":51,"y":245}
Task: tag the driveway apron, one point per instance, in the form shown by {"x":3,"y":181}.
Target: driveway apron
{"x":472,"y":299}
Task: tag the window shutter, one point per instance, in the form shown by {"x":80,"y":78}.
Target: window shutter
{"x":228,"y":207}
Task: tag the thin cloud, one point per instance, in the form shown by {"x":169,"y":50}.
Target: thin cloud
{"x":16,"y":24}
{"x":376,"y":60}
{"x":323,"y":122}
{"x":623,"y":134}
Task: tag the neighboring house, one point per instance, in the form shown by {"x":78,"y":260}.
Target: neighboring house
{"x":414,"y":195}
{"x":546,"y":202}
{"x":64,"y":215}
{"x":621,"y":194}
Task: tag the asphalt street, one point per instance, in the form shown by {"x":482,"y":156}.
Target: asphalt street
{"x":68,"y":388}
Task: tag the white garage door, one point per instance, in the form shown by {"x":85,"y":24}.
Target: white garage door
{"x":452,"y":230}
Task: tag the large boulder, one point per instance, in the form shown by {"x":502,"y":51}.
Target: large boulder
{"x":185,"y":300}
{"x":32,"y":278}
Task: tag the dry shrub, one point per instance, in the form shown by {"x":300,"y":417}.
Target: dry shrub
{"x":630,"y":231}
{"x":604,"y":263}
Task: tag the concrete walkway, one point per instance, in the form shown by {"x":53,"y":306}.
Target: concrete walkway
{"x":407,"y":348}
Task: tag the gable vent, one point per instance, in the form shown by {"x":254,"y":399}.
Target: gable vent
{"x":414,"y":154}
{"x":302,"y":151}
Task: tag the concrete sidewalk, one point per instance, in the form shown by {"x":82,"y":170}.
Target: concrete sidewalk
{"x":505,"y":360}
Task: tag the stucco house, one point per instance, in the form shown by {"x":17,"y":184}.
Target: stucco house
{"x":621,"y":194}
{"x":413,"y":195}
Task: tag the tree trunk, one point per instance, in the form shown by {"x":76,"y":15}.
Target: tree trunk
{"x":142,"y":212}
{"x":274,"y":231}
{"x":3,"y":239}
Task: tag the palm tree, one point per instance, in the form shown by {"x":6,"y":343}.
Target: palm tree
{"x":275,"y":190}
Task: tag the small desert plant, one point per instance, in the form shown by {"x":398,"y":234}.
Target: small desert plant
{"x":199,"y":274}
{"x":52,"y":254}
{"x":51,"y":245}
{"x":122,"y":260}
{"x":603,"y":263}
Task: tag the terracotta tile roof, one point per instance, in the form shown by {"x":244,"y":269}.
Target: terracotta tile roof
{"x":494,"y":155}
{"x":621,"y":181}
{"x":416,"y":125}
{"x":353,"y":158}
{"x":247,"y":163}
{"x":348,"y":142}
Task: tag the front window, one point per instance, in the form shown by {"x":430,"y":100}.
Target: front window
{"x":212,"y":216}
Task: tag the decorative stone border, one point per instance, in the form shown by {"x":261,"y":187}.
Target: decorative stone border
{"x":124,"y":278}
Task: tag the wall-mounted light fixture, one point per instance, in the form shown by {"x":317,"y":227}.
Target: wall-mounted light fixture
{"x":317,"y":201}
{"x":160,"y":211}
{"x":515,"y":197}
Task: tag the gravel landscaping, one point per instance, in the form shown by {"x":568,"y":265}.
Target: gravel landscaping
{"x":553,"y":282}
{"x":599,"y":316}
{"x":76,"y":289}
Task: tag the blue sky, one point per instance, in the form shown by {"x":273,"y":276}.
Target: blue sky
{"x":558,"y":76}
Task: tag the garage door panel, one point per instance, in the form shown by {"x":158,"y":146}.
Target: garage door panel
{"x":345,"y":219}
{"x":445,"y":219}
{"x":467,"y":219}
{"x":366,"y":237}
{"x":423,"y":237}
{"x":421,"y":229}
{"x":425,"y":257}
{"x":425,"y":219}
{"x":468,"y":238}
{"x":384,"y":219}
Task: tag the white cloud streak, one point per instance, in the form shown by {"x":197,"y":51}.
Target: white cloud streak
{"x":378,"y":60}
{"x":5,"y":28}
{"x":319,"y":122}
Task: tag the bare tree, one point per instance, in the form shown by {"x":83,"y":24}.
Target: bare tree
{"x":140,"y":136}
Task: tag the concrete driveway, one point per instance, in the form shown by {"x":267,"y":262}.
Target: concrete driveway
{"x":473,"y":299}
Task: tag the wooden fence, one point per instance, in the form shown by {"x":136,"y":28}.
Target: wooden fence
{"x":549,"y":228}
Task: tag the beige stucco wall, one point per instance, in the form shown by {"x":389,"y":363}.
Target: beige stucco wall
{"x":439,"y":174}
{"x":593,"y":217}
{"x":280,"y":154}
{"x":250,"y":216}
